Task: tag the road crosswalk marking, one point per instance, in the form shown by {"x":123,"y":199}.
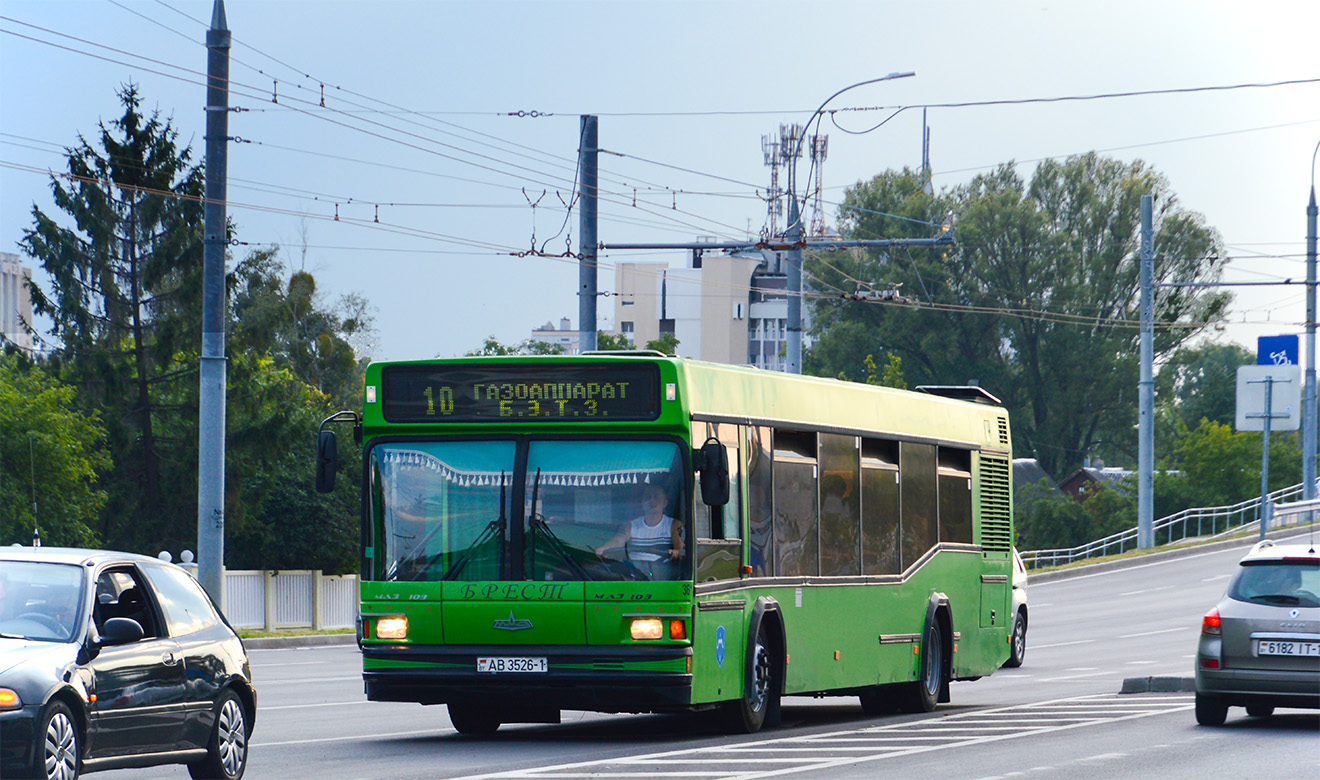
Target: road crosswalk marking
{"x":790,"y":755}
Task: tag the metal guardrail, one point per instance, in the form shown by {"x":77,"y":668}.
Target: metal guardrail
{"x":1209,"y":522}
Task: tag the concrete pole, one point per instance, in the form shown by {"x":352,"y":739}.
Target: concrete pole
{"x":793,"y":258}
{"x":1146,"y":389}
{"x":587,"y":265}
{"x":211,"y":413}
{"x":1308,"y":383}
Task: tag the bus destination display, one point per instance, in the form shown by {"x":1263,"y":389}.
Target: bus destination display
{"x":511,"y":393}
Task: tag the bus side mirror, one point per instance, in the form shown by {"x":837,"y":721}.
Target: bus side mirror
{"x":327,"y":461}
{"x":714,"y":467}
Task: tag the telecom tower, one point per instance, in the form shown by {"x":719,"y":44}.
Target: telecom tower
{"x":774,"y":200}
{"x":820,"y":145}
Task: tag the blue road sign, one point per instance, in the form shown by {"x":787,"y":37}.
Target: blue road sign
{"x":1276,"y":350}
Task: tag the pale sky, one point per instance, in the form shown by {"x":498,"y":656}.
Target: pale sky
{"x":421,"y":103}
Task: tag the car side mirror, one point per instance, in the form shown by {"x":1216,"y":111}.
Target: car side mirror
{"x":121,"y":631}
{"x":327,"y":461}
{"x":714,"y":468}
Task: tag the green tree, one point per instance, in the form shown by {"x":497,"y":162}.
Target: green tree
{"x":612,"y":342}
{"x":667,"y":343}
{"x":282,"y":315}
{"x":493,"y":347}
{"x":46,"y":435}
{"x":124,"y":300}
{"x":1200,"y":383}
{"x":1036,"y":302}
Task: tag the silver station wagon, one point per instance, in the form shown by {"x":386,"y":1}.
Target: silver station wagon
{"x":1260,"y":645}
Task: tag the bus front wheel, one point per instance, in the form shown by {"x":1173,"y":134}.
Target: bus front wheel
{"x":921,"y":695}
{"x":748,"y":713}
{"x":473,"y":720}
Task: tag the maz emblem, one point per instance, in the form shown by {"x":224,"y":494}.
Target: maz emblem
{"x":512,"y":624}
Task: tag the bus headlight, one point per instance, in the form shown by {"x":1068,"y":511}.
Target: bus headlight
{"x":647,"y":628}
{"x":392,"y":627}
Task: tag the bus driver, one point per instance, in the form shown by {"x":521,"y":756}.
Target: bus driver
{"x":653,"y":539}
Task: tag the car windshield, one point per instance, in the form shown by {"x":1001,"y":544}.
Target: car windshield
{"x":1293,"y":583}
{"x":40,"y":601}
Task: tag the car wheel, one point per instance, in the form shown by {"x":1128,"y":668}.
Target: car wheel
{"x":1260,"y":710}
{"x":473,"y":720}
{"x":227,"y":751}
{"x":749,"y":713}
{"x":1017,"y":648}
{"x":1210,"y":711}
{"x":923,"y":694}
{"x":56,"y":756}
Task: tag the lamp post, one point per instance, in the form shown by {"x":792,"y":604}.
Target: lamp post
{"x":793,"y":235}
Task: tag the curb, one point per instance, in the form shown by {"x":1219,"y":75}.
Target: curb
{"x":1158,"y":685}
{"x":1141,"y":560}
{"x":309,"y":640}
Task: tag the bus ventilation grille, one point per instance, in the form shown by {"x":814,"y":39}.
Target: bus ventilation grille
{"x":996,"y":506}
{"x":1003,"y":431}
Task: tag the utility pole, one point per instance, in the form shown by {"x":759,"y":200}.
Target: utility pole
{"x":794,"y":234}
{"x":1308,"y":383}
{"x":588,"y":153}
{"x":211,"y":412}
{"x":1146,"y":389}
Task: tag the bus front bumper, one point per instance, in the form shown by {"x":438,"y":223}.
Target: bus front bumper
{"x":599,"y":679}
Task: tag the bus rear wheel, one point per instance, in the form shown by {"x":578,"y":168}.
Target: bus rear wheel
{"x":473,"y":720}
{"x":921,"y":695}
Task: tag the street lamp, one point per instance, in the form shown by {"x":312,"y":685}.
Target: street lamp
{"x":793,"y":236}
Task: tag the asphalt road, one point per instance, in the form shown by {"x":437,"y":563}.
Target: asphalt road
{"x":1060,"y":715}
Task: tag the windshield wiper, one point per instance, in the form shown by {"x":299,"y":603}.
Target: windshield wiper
{"x":493,"y":528}
{"x":1277,"y":598}
{"x":537,"y":523}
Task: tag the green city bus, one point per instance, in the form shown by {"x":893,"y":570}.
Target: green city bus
{"x":631,"y":532}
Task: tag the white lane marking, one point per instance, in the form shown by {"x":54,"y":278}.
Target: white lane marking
{"x":1076,"y":676}
{"x":1105,"y":707}
{"x":1217,"y":577}
{"x":1081,"y":669}
{"x":1063,"y":644}
{"x":350,"y":738}
{"x":301,"y":681}
{"x":263,"y":708}
{"x":1141,"y":663}
{"x":1161,"y":631}
{"x":1147,"y":590}
{"x":1104,"y":757}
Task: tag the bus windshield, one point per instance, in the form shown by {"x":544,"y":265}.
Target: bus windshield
{"x":605,"y":510}
{"x":590,"y":510}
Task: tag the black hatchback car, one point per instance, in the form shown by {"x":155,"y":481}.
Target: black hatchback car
{"x":114,"y":660}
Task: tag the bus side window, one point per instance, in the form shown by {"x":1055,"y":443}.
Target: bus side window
{"x":796,"y":518}
{"x":955,"y":477}
{"x":719,"y":528}
{"x":760,"y":507}
{"x":881,"y":532}
{"x":919,"y":497}
{"x":840,"y":506}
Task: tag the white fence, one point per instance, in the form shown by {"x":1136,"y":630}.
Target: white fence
{"x":290,"y":599}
